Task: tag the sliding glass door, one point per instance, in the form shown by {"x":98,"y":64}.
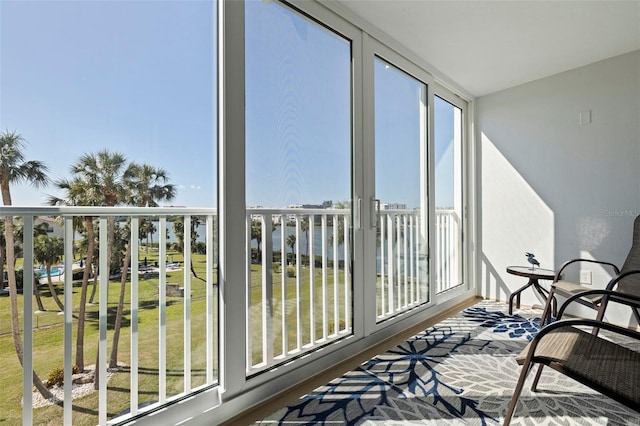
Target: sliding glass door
{"x":298,"y":183}
{"x":353,"y":184}
{"x":400,"y":185}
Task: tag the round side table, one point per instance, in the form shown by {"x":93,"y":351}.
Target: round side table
{"x":533,"y":274}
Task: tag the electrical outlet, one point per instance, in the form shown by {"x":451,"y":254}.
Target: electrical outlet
{"x":585,"y":276}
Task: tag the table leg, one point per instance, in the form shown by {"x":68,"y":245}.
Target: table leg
{"x":516,"y":295}
{"x":546,"y":295}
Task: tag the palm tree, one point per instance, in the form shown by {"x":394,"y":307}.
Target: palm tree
{"x":291,"y":242}
{"x":14,"y":169}
{"x":147,"y":229}
{"x":75,"y":191}
{"x":18,"y":234}
{"x":178,"y":231}
{"x":97,"y":181}
{"x":144,"y":186}
{"x":49,"y":251}
{"x":338,"y":228}
{"x":256,"y":234}
{"x":304,"y":227}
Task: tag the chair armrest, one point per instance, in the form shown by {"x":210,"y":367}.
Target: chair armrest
{"x":556,"y":278}
{"x":611,"y":295}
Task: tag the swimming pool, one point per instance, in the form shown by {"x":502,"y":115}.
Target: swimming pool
{"x":55,"y":271}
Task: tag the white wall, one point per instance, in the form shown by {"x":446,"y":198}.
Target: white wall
{"x":553,"y":186}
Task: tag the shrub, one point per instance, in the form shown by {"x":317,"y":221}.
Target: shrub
{"x":291,"y":271}
{"x":55,"y":377}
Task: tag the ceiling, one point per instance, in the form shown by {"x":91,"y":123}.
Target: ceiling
{"x":484,"y":46}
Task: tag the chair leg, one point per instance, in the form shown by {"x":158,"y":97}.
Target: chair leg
{"x":534,"y":385}
{"x":600,"y":316}
{"x":516,"y":394}
{"x":548,"y":308}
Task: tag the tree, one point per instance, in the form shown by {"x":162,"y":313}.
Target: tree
{"x":97,"y":181}
{"x":76,"y":191}
{"x":144,"y":186}
{"x":14,"y":169}
{"x":178,"y":231}
{"x":36,"y":293}
{"x":147,"y":229}
{"x":256,"y":234}
{"x":49,"y":251}
{"x":39,"y":229}
{"x":291,"y":242}
{"x":304,"y":227}
{"x":18,"y":234}
{"x":338,"y":228}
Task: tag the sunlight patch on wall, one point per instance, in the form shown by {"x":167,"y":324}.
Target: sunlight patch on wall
{"x":515,"y":220}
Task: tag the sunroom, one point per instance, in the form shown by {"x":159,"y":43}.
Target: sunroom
{"x":347,"y":170}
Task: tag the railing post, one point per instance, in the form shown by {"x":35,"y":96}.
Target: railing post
{"x":101,"y":367}
{"x":267,"y":288}
{"x":312,"y":289}
{"x":162,"y":310}
{"x":186,"y":270}
{"x":283,"y":281}
{"x":27,"y":292}
{"x":68,"y":319}
{"x":210,"y":308}
{"x":336,"y":277}
{"x":347,"y":272}
{"x":134,"y":315}
{"x":325,"y":280}
{"x":298,"y":285}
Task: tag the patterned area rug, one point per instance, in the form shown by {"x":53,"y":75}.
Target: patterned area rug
{"x":460,"y":372}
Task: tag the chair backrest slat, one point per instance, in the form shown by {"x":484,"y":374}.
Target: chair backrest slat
{"x":631,"y":284}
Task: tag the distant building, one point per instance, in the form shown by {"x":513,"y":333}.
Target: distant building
{"x":393,"y":206}
{"x":53,"y":227}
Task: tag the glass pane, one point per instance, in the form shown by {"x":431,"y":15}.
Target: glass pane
{"x":298,"y":183}
{"x":448,"y":194}
{"x":135,"y":81}
{"x":400,"y":182}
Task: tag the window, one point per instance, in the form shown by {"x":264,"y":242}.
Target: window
{"x":298,"y":183}
{"x":448,"y":194}
{"x":400,"y":184}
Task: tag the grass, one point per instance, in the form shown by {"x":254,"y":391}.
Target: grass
{"x":48,"y":338}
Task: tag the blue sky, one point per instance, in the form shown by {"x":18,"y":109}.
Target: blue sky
{"x":135,"y":77}
{"x":138,"y":77}
{"x":298,"y":110}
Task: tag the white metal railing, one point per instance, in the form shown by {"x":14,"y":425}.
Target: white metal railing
{"x":175,"y":379}
{"x":402,"y":262}
{"x":298,"y":294}
{"x":307,"y":295}
{"x":448,"y":250}
{"x":300,"y":300}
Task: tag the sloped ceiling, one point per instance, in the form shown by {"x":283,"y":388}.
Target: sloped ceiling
{"x":486,"y":46}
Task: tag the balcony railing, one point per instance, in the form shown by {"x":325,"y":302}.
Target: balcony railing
{"x":298,"y":297}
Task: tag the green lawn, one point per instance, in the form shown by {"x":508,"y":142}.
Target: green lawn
{"x":48,"y":339}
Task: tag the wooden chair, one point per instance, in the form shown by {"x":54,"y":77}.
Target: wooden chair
{"x":628,"y":284}
{"x":599,"y":363}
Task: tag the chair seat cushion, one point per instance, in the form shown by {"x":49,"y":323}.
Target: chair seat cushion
{"x":596,"y":362}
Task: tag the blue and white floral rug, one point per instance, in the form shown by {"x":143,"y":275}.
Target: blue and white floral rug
{"x":460,"y":372}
